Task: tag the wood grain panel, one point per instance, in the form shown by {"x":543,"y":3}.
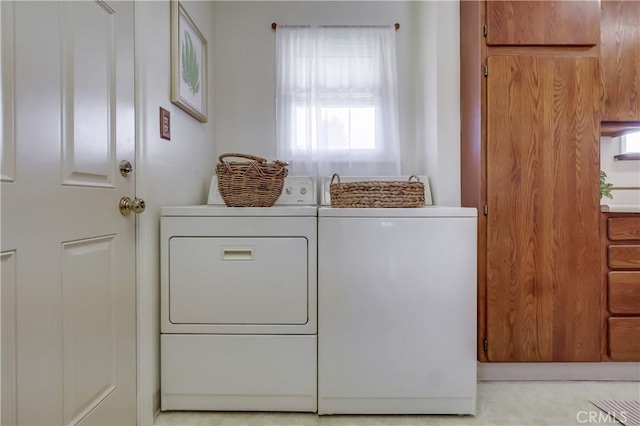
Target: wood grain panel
{"x":624,"y":339}
{"x":543,"y":22}
{"x":604,"y":285}
{"x":470,"y":102}
{"x":624,"y":292}
{"x":624,"y":257}
{"x":471,"y":171}
{"x":543,"y":262}
{"x":624,"y":228}
{"x":620,"y":54}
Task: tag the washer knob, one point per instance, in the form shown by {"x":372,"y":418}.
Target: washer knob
{"x":288,"y":190}
{"x":303,"y":190}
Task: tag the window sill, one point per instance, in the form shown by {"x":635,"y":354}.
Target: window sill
{"x":628,"y":156}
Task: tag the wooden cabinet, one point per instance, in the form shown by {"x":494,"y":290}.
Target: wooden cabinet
{"x":624,"y":292}
{"x":624,"y":339}
{"x":543,"y":249}
{"x":623,"y":228}
{"x":624,"y":257}
{"x":620,"y":55}
{"x":530,"y":130}
{"x":543,"y":22}
{"x":621,"y":273}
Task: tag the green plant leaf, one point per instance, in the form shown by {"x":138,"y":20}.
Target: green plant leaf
{"x":190,"y":66}
{"x":605,"y":187}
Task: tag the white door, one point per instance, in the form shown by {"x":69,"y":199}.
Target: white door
{"x":68,"y":295}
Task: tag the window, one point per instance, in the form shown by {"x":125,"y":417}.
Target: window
{"x":336,"y":100}
{"x":629,"y":147}
{"x":630,"y":143}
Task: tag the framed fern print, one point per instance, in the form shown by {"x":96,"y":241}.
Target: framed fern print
{"x":188,"y":64}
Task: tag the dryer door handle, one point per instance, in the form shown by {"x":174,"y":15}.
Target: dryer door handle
{"x":237,"y":253}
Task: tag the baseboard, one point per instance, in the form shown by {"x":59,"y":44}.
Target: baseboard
{"x":605,"y":371}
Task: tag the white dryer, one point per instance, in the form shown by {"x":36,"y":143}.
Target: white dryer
{"x":239,"y":305}
{"x":397,"y":310}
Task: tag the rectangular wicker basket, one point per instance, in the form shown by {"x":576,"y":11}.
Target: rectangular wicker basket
{"x":377,"y":193}
{"x":253,"y":183}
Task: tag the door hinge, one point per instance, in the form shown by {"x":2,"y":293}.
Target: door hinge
{"x":485,"y":345}
{"x":485,"y":31}
{"x":486,"y":209}
{"x":485,"y":70}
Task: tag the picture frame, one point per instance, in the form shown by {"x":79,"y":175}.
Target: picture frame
{"x":188,"y":64}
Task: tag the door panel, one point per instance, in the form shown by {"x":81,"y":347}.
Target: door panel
{"x":543,"y":261}
{"x":620,"y":58}
{"x":238,"y":280}
{"x":88,"y":324}
{"x":89,"y":93}
{"x":624,"y":339}
{"x":75,"y":273}
{"x":549,"y":22}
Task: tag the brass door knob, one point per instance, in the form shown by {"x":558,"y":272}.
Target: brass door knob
{"x":127,"y":205}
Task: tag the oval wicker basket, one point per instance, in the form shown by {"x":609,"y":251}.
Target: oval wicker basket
{"x":254,"y":183}
{"x":377,"y":193}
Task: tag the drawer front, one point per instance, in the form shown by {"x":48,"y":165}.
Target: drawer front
{"x":624,"y":339}
{"x":238,"y":280}
{"x":624,"y":292}
{"x":239,"y":373}
{"x":624,"y":228}
{"x":624,"y":257}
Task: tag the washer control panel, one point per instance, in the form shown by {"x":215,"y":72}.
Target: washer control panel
{"x":297,"y":190}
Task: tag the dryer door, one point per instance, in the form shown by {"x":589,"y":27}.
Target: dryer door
{"x":238,"y":280}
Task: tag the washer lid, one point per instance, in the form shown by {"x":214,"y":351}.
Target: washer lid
{"x":222,"y":211}
{"x":427,"y":211}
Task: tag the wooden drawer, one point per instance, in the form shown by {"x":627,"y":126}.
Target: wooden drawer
{"x":624,"y":292}
{"x":624,"y":257}
{"x":624,"y":228}
{"x":624,"y":339}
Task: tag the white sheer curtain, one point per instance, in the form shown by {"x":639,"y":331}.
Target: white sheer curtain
{"x":337,"y":100}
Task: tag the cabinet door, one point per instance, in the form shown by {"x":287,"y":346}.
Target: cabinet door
{"x":620,"y":54}
{"x":543,"y":260}
{"x":539,"y":23}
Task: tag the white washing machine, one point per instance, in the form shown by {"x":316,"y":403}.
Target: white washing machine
{"x":397,"y":310}
{"x":239,"y":305}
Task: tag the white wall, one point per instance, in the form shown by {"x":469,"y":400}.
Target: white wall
{"x":619,"y":173}
{"x":437,"y":149}
{"x":428,"y":77}
{"x":175,"y":172}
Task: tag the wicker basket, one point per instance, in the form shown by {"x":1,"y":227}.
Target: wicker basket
{"x":377,"y":193}
{"x":254,"y":183}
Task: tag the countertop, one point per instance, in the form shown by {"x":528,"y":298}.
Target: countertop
{"x":620,"y":208}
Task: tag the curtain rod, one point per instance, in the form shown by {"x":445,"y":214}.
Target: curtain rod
{"x":274,"y":26}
